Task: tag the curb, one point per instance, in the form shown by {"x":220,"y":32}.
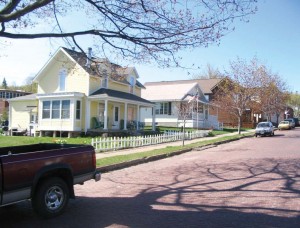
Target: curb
{"x":109,"y":168}
{"x":122,"y":165}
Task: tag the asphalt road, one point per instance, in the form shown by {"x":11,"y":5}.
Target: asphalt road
{"x":253,"y":182}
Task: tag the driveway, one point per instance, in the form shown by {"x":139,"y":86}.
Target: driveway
{"x":253,"y":182}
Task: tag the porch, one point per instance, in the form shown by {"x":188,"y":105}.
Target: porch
{"x":201,"y":121}
{"x":110,"y":110}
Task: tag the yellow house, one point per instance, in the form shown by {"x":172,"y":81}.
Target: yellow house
{"x":80,"y":93}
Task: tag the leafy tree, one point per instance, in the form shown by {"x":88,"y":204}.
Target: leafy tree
{"x":135,"y":29}
{"x":238,"y":91}
{"x":4,"y":115}
{"x":294,"y":101}
{"x":272,"y":94}
{"x":251,"y":85}
{"x":4,"y":84}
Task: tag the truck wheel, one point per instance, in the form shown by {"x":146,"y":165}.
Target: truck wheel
{"x":51,"y":198}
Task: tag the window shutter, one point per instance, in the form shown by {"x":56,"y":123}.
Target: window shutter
{"x":170,"y":108}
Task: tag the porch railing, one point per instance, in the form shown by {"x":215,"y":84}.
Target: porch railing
{"x":117,"y":143}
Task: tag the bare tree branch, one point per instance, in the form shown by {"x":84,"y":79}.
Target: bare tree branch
{"x":137,"y":29}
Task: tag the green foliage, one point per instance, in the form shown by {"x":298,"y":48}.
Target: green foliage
{"x":4,"y":115}
{"x":4,"y":84}
{"x":28,"y":86}
{"x":23,"y":140}
{"x":294,"y":102}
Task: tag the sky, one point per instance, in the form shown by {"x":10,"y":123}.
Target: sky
{"x":272,"y":35}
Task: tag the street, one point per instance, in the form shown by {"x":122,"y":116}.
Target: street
{"x":253,"y":182}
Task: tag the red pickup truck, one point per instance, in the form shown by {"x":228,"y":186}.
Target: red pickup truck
{"x":45,"y":174}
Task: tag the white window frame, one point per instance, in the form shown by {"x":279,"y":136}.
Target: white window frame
{"x":60,"y":110}
{"x":162,"y":108}
{"x":62,"y":75}
{"x":131,"y":84}
{"x":104,"y":82}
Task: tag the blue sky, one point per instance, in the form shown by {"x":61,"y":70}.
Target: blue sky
{"x":272,"y":35}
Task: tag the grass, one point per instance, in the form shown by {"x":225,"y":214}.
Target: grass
{"x":167,"y":150}
{"x":24,"y":140}
{"x":226,"y":131}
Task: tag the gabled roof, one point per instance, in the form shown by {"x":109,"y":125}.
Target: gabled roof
{"x":119,"y":73}
{"x":163,"y":91}
{"x":119,"y":95}
{"x":206,"y":85}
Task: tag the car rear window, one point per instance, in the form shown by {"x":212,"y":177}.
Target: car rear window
{"x":263,"y":125}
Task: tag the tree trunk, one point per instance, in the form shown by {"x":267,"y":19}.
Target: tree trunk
{"x":239,"y":124}
{"x":183,"y":132}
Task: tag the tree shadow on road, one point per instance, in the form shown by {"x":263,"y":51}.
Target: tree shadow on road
{"x":255,"y":193}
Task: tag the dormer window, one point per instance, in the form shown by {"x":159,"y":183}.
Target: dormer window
{"x":62,"y":76}
{"x":132,"y":84}
{"x":104,"y":82}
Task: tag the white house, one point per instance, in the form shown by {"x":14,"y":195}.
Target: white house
{"x":167,"y":96}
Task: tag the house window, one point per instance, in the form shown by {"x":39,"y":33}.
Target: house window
{"x":104,"y":82}
{"x":46,"y":110}
{"x":162,"y":108}
{"x":206,"y":114}
{"x":65,"y":109}
{"x":78,"y":108}
{"x":62,"y":79}
{"x":55,"y":109}
{"x":33,"y":118}
{"x":131,"y":82}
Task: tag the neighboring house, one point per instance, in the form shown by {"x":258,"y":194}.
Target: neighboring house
{"x":250,"y":117}
{"x":6,"y":94}
{"x":167,"y":96}
{"x":79,"y":93}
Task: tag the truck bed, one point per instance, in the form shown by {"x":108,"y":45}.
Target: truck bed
{"x":35,"y":148}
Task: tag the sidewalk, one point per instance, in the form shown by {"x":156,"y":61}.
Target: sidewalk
{"x":100,"y":155}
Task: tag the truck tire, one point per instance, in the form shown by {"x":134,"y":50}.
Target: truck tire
{"x":51,"y":197}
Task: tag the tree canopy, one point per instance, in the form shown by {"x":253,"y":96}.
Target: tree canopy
{"x":4,"y":84}
{"x":140,"y":30}
{"x":251,"y":85}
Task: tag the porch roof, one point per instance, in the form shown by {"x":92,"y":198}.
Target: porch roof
{"x":24,"y":98}
{"x":103,"y":93}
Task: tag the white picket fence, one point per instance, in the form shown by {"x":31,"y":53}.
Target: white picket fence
{"x":117,"y":143}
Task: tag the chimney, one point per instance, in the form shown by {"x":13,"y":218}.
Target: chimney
{"x":89,"y":57}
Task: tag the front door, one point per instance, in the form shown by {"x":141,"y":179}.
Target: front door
{"x":116,"y":122}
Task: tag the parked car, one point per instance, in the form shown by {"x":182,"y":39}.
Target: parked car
{"x":292,"y":122}
{"x":296,"y":122}
{"x":284,"y":125}
{"x":264,"y":128}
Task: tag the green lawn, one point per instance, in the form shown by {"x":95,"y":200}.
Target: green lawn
{"x":167,"y":150}
{"x":25,"y":140}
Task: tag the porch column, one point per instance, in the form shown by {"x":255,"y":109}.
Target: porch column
{"x":153,"y":118}
{"x":87,"y":115}
{"x":125,"y":116}
{"x":105,"y":114}
{"x":137,"y":117}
